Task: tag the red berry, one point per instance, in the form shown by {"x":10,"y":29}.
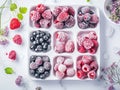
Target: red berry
{"x":14,"y":24}
{"x":17,"y":39}
{"x":71,"y":11}
{"x":63,"y":16}
{"x":12,"y":55}
{"x":86,"y":68}
{"x":81,"y":49}
{"x":47,"y":14}
{"x":92,"y":74}
{"x":81,"y":74}
{"x":95,"y":43}
{"x":40,"y":8}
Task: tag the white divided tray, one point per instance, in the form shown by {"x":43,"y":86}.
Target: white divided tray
{"x":74,"y":30}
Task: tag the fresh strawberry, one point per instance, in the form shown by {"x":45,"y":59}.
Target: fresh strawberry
{"x":12,"y":55}
{"x":14,"y":24}
{"x":17,"y":39}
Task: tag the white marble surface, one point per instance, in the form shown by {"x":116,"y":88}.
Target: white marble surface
{"x":108,"y":47}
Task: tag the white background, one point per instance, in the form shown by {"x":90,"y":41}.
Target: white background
{"x":109,"y":45}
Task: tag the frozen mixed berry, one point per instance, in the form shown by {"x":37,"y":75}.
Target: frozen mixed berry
{"x":18,"y":80}
{"x":64,"y":17}
{"x":40,"y":41}
{"x":81,"y":74}
{"x":15,"y":24}
{"x":38,"y":67}
{"x":41,"y":16}
{"x":87,"y":42}
{"x":87,"y":17}
{"x":92,"y":74}
{"x":12,"y":55}
{"x":17,"y":39}
{"x":70,"y":72}
{"x":69,"y":46}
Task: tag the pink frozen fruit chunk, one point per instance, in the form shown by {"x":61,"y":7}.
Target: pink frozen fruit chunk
{"x":86,"y":68}
{"x":69,"y":46}
{"x":47,"y":14}
{"x":62,"y":68}
{"x":60,"y":59}
{"x":34,"y":15}
{"x":41,"y":8}
{"x":70,"y":72}
{"x":92,"y":74}
{"x":68,"y":62}
{"x":63,"y":16}
{"x":60,"y":75}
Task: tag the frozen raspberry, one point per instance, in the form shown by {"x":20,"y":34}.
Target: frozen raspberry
{"x":17,"y":39}
{"x":60,"y":60}
{"x":47,"y":14}
{"x":92,"y":74}
{"x":80,"y":18}
{"x":56,"y":67}
{"x":37,"y":24}
{"x":80,"y":40}
{"x":87,"y":59}
{"x":70,"y":72}
{"x":60,"y":48}
{"x":95,"y":44}
{"x":94,"y":65}
{"x":34,"y":15}
{"x":63,"y":16}
{"x":71,"y":11}
{"x":62,"y":36}
{"x":69,"y":46}
{"x":86,"y":68}
{"x":70,"y":22}
{"x":12,"y":55}
{"x":33,"y":65}
{"x":83,"y":25}
{"x":92,"y":35}
{"x":60,"y":75}
{"x":85,"y":9}
{"x":81,"y":74}
{"x":44,"y":23}
{"x":59,"y":25}
{"x":41,"y":8}
{"x":92,"y":50}
{"x":81,"y":49}
{"x":68,"y":62}
{"x":65,"y":8}
{"x":94,"y":19}
{"x":15,"y":24}
{"x":79,"y":64}
{"x":62,"y":68}
{"x":88,"y":44}
{"x":57,"y":10}
{"x":87,"y":17}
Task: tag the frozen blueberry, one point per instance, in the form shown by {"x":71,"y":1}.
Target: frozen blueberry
{"x":32,"y":58}
{"x":32,"y":38}
{"x":39,"y":48}
{"x":34,"y":33}
{"x":47,"y":73}
{"x":47,"y":65}
{"x":42,"y":76}
{"x":45,"y":37}
{"x":41,"y":40}
{"x":32,"y":72}
{"x":41,"y":69}
{"x":37,"y":75}
{"x":32,"y":47}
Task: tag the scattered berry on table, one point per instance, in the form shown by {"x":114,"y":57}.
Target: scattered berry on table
{"x":12,"y":55}
{"x":17,"y":39}
{"x":15,"y":24}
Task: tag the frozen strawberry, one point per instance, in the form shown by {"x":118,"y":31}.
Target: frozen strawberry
{"x":70,"y":22}
{"x":41,"y":8}
{"x":44,"y":23}
{"x":71,"y":11}
{"x":94,"y":65}
{"x":60,"y":48}
{"x":70,"y":72}
{"x":63,"y":16}
{"x":35,"y":15}
{"x":17,"y":39}
{"x":60,"y":75}
{"x":81,"y":74}
{"x":88,"y":43}
{"x":62,"y":68}
{"x":92,"y":35}
{"x":92,"y":74}
{"x":68,"y":62}
{"x":80,"y":63}
{"x":59,"y":25}
{"x":56,"y":67}
{"x":61,"y":36}
{"x":15,"y":24}
{"x":12,"y":55}
{"x":47,"y":14}
{"x":60,"y":59}
{"x":94,"y":19}
{"x":69,"y":46}
{"x":81,"y":49}
{"x":86,"y":68}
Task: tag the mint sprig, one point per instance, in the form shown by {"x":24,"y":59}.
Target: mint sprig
{"x":13,"y":6}
{"x":9,"y":70}
{"x":20,"y":16}
{"x":23,"y":10}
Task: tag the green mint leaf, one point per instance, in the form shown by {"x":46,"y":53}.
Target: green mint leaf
{"x":20,"y":16}
{"x":23,"y":10}
{"x":9,"y":70}
{"x":87,"y":0}
{"x":13,"y":6}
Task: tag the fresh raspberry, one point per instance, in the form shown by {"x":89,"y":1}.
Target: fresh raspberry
{"x":59,"y":25}
{"x":62,"y":68}
{"x":88,"y":44}
{"x":69,"y":46}
{"x":68,"y":62}
{"x":87,"y":17}
{"x":79,"y":64}
{"x":70,"y":22}
{"x":17,"y":39}
{"x":47,"y":14}
{"x":92,"y":74}
{"x":70,"y":72}
{"x":81,"y":74}
{"x":94,"y":65}
{"x":71,"y":11}
{"x":63,"y":16}
{"x":60,"y":75}
{"x":15,"y":24}
{"x":60,"y":59}
{"x":81,"y":49}
{"x":44,"y":23}
{"x":35,"y":15}
{"x":41,"y":8}
{"x":12,"y":55}
{"x":86,"y":68}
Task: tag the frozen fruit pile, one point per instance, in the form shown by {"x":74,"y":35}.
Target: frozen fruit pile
{"x":64,"y":17}
{"x":87,"y":67}
{"x":41,"y":16}
{"x":63,"y":67}
{"x":40,"y":41}
{"x":87,"y":42}
{"x":39,"y":66}
{"x":87,"y":18}
{"x":63,"y":42}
